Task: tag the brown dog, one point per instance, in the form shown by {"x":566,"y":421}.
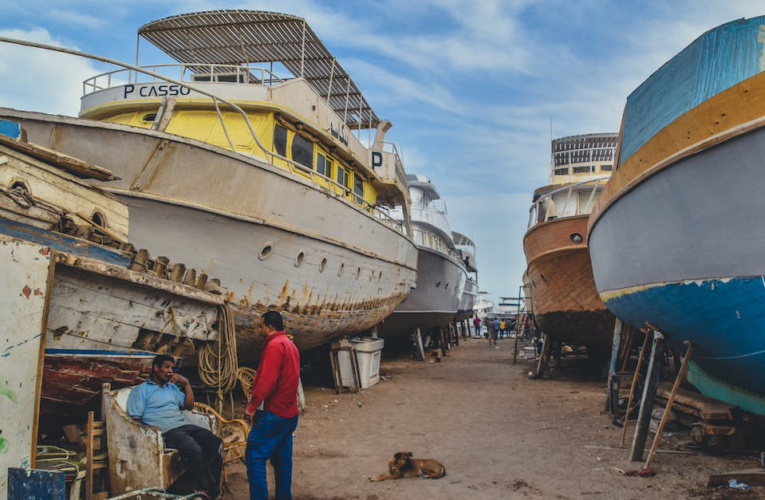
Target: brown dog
{"x":403,"y":465}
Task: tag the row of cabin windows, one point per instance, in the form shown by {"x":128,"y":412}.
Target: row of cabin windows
{"x":302,"y":153}
{"x":584,"y":170}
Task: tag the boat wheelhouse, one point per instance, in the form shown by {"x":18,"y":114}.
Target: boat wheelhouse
{"x":567,"y":307}
{"x":253,"y":138}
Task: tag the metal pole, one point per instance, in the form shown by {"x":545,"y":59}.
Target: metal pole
{"x":302,"y":53}
{"x":634,"y":384}
{"x":331,"y":74}
{"x":347,"y":97}
{"x":137,"y":46}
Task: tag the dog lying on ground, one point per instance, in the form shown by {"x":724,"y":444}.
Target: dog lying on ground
{"x":403,"y":465}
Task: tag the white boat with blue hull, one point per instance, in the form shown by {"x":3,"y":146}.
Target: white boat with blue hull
{"x":676,"y":239}
{"x":441,"y":272}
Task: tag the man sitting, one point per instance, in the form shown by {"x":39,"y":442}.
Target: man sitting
{"x":158,"y":402}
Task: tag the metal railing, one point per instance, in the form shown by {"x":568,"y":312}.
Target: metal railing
{"x":270,"y":156}
{"x":547,"y":201}
{"x":217,"y":73}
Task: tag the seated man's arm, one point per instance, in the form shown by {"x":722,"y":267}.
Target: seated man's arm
{"x":136,"y":404}
{"x":186,"y":402}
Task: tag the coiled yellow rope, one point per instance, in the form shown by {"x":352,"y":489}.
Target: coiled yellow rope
{"x":218,"y":363}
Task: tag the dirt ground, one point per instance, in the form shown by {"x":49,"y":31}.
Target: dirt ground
{"x":499,"y":434}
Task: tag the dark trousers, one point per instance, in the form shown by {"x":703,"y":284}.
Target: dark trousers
{"x":201,"y":450}
{"x":270,"y":438}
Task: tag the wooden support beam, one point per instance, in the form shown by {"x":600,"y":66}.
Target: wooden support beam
{"x":442,"y":341}
{"x":543,"y":358}
{"x":634,"y":384}
{"x":670,"y":402}
{"x":649,"y":395}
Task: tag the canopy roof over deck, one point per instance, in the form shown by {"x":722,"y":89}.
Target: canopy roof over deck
{"x":236,"y":37}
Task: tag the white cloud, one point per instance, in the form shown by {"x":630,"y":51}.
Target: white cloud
{"x":40,"y":80}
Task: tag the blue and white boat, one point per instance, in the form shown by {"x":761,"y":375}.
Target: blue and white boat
{"x":677,"y":237}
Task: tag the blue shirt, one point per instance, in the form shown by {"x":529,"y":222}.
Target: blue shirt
{"x":496,"y":324}
{"x":157,"y":405}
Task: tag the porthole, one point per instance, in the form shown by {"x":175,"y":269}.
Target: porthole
{"x":438,"y":284}
{"x":576,"y":238}
{"x":299,"y":259}
{"x":543,"y":278}
{"x":446,"y":287}
{"x":150,"y":117}
{"x":341,"y":270}
{"x":379,"y":276}
{"x":322,"y":265}
{"x":266,"y":251}
{"x":98,"y":219}
{"x":19,"y":185}
{"x":358,"y":273}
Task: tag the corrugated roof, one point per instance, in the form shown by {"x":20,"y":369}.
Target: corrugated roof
{"x":244,"y":36}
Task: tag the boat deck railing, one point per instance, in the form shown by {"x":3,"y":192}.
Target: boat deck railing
{"x":540,"y":209}
{"x":233,"y":74}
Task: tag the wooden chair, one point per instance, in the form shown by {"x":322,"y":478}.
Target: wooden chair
{"x":138,"y":457}
{"x":234,"y":435}
{"x":97,"y":459}
{"x":246,"y":377}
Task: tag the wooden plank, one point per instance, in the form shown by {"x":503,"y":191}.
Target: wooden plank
{"x":68,"y":163}
{"x":704,"y":406}
{"x":23,"y":303}
{"x":752,"y":477}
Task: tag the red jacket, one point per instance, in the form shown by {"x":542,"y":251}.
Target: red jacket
{"x":277,"y":379}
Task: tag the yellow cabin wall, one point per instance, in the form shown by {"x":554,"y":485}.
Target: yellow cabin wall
{"x":204,"y":125}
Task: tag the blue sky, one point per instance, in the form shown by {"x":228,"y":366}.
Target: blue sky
{"x":470,"y":86}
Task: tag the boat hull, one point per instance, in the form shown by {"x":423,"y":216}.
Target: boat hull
{"x":699,"y":275}
{"x":467,"y":301}
{"x":221,"y":225}
{"x":434,"y":303}
{"x":566,"y":302}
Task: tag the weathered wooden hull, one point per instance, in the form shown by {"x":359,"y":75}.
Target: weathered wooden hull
{"x":434,"y":303}
{"x":332,"y":269}
{"x":676,"y":239}
{"x":566,"y":302}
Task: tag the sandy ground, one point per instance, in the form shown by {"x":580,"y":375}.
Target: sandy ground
{"x":499,"y":434}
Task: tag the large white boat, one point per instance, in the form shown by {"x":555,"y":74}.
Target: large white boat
{"x":441,"y":273}
{"x":466,"y":249}
{"x":250,"y":175}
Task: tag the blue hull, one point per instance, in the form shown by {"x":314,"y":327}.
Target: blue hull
{"x":724,"y":318}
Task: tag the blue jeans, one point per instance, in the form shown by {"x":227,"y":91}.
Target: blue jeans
{"x":270,"y":438}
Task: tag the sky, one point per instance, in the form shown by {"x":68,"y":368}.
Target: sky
{"x":474,"y":88}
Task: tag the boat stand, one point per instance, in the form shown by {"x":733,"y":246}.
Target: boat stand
{"x":544,"y":358}
{"x":632,"y":387}
{"x":419,"y":349}
{"x":335,"y":348}
{"x":649,"y":396}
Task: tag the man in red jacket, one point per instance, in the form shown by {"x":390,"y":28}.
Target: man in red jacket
{"x":273,"y":411}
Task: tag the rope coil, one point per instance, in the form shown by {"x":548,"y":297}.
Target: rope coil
{"x":218,"y":363}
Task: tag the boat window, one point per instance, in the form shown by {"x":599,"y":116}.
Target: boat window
{"x":342,"y":176}
{"x":606,"y":168}
{"x":561,"y":171}
{"x":302,"y":151}
{"x":581,"y":170}
{"x":280,"y":140}
{"x":323,"y":165}
{"x":358,"y":186}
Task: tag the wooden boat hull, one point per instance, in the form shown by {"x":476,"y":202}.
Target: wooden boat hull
{"x":434,"y":303}
{"x":222,"y":224}
{"x":676,"y":239}
{"x":566,"y":302}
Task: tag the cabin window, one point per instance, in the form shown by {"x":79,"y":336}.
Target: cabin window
{"x":606,"y":168}
{"x":561,"y":171}
{"x":302,"y":151}
{"x":358,"y":186}
{"x":582,"y":170}
{"x":342,"y":176}
{"x":280,"y":140}
{"x":323,"y":165}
